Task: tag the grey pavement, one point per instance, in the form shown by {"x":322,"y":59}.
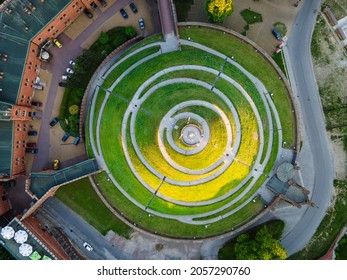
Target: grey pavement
{"x":60,"y":61}
{"x":79,"y":231}
{"x":305,"y":87}
{"x":170,"y":123}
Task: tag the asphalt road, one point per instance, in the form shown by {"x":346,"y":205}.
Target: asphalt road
{"x":312,"y":116}
{"x":79,"y":231}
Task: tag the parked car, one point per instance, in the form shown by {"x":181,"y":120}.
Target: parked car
{"x":277,"y":34}
{"x":32,"y":133}
{"x":77,"y":139}
{"x":31,"y":150}
{"x":32,"y":114}
{"x":133,"y":8}
{"x":94,"y":6}
{"x":38,"y":86}
{"x":57,"y":43}
{"x":88,"y":13}
{"x":141,"y":23}
{"x":64,"y":77}
{"x":66,"y":135}
{"x":31,"y":145}
{"x":72,"y":62}
{"x":56,"y":164}
{"x":62,"y":84}
{"x":36,"y":103}
{"x":54,"y":122}
{"x":69,"y":70}
{"x":124,"y":13}
{"x":103,"y":3}
{"x":88,"y":246}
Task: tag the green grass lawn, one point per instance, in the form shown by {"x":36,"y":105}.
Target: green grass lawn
{"x":159,"y":104}
{"x":81,"y":198}
{"x":108,"y":137}
{"x":113,"y":114}
{"x":126,"y":64}
{"x":246,"y":154}
{"x":255,"y":64}
{"x":169,"y":226}
{"x":279,"y":59}
{"x":335,"y":219}
{"x":250,"y":16}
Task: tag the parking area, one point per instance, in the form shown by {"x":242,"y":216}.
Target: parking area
{"x":80,"y":35}
{"x":35,"y":125}
{"x":116,"y":19}
{"x":272,"y":11}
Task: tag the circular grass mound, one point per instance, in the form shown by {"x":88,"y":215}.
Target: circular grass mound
{"x":185,"y":145}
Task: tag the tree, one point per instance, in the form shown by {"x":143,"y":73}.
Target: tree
{"x":261,"y":246}
{"x":218,"y":10}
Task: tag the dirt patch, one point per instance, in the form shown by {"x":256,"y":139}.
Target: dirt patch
{"x":330,"y":66}
{"x":339,"y":7}
{"x":271,"y":11}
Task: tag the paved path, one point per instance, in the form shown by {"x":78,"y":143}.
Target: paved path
{"x":79,"y":231}
{"x":133,"y":109}
{"x":254,"y":173}
{"x":169,"y":124}
{"x":304,"y":84}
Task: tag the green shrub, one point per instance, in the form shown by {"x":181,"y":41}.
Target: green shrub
{"x":103,"y":38}
{"x":86,"y":65}
{"x":74,"y":109}
{"x":130,"y":31}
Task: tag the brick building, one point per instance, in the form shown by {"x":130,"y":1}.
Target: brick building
{"x":26,"y":28}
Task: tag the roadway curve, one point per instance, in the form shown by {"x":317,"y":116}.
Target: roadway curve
{"x":305,"y":87}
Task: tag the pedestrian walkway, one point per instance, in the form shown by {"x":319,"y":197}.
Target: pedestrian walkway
{"x":255,"y":172}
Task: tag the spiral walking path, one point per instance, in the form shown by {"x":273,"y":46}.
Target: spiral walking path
{"x":228,"y":155}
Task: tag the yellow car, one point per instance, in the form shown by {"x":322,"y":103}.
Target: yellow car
{"x":58,"y":44}
{"x":56,"y":164}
